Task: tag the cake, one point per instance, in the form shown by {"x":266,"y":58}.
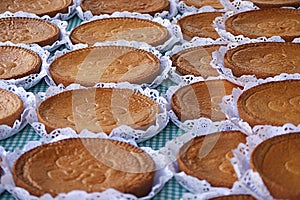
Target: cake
{"x":265,"y":22}
{"x":273,"y":103}
{"x":88,"y":164}
{"x":199,"y":25}
{"x":28,"y":31}
{"x":276,"y":3}
{"x":98,"y":110}
{"x":195,"y":61}
{"x":263,"y":59}
{"x":91,"y":65}
{"x":277,"y":161}
{"x":98,"y":7}
{"x":234,"y":197}
{"x":17,"y":62}
{"x":118,"y":28}
{"x":46,"y":7}
{"x":201,"y":3}
{"x":207,"y":157}
{"x":201,"y":99}
{"x":11,"y":107}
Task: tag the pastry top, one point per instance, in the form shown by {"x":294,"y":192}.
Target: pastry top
{"x":89,"y":164}
{"x":28,"y":30}
{"x":17,"y":62}
{"x":273,"y":103}
{"x":264,"y":59}
{"x":201,"y":99}
{"x":265,"y":22}
{"x":276,"y":3}
{"x":98,"y":110}
{"x":195,"y":61}
{"x":11,"y":107}
{"x":38,"y":7}
{"x":131,"y":29}
{"x":201,"y":3}
{"x":208,"y":157}
{"x":98,"y":7}
{"x":199,"y":25}
{"x":234,"y":197}
{"x":91,"y":65}
{"x":277,"y":160}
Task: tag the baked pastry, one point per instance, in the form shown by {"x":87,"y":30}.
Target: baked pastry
{"x":11,"y":107}
{"x":28,"y":30}
{"x":91,"y":65}
{"x":234,"y":197}
{"x":265,"y":22}
{"x":263,"y":59}
{"x":118,"y":28}
{"x":277,"y":162}
{"x":89,"y":164}
{"x":98,"y":7}
{"x":98,"y":110}
{"x":195,"y":61}
{"x":201,"y":99}
{"x":273,"y":103}
{"x":199,"y":25}
{"x":208,"y":157}
{"x":17,"y":62}
{"x":38,"y":7}
{"x":276,"y":3}
{"x":201,"y":3}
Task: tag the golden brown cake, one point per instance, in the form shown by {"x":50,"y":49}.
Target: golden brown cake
{"x":195,"y":61}
{"x":38,"y":7}
{"x":11,"y":107}
{"x":264,"y":59}
{"x":98,"y":7}
{"x":201,"y":99}
{"x":199,"y":25}
{"x":277,"y":160}
{"x":89,"y":66}
{"x":273,"y":103}
{"x":276,"y":3}
{"x":266,"y":22}
{"x":208,"y":157}
{"x":28,"y":30}
{"x":234,"y":197}
{"x":98,"y":110}
{"x":17,"y":62}
{"x":89,"y":164}
{"x":131,"y":29}
{"x":200,"y":3}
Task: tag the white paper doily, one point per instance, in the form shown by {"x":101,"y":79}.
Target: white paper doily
{"x":183,"y":8}
{"x":164,"y":60}
{"x":29,"y":102}
{"x":162,"y":176}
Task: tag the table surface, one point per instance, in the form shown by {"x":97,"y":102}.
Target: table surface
{"x":172,"y":190}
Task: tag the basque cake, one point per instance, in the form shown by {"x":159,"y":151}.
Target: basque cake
{"x":277,"y":160}
{"x":276,"y":3}
{"x":98,"y":110}
{"x":88,"y":164}
{"x":207,"y":157}
{"x":200,"y":3}
{"x":234,"y":197}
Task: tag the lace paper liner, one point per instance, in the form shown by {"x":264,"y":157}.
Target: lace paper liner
{"x":174,"y":30}
{"x":62,"y":25}
{"x":86,"y":16}
{"x":164,"y":61}
{"x":162,"y":176}
{"x":28,"y":99}
{"x":183,"y":8}
{"x":123,"y":131}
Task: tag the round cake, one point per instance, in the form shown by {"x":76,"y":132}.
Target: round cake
{"x":199,"y":25}
{"x":234,"y":197}
{"x":11,"y":107}
{"x":201,"y":99}
{"x":38,"y":7}
{"x":273,"y":103}
{"x":277,"y":160}
{"x":98,"y":7}
{"x":276,"y":3}
{"x":88,"y":164}
{"x":89,"y":66}
{"x":263,"y":59}
{"x":28,"y":30}
{"x":17,"y":62}
{"x":201,"y":3}
{"x":131,"y":29}
{"x":266,"y":22}
{"x":98,"y":110}
{"x":207,"y":157}
{"x":195,"y":61}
